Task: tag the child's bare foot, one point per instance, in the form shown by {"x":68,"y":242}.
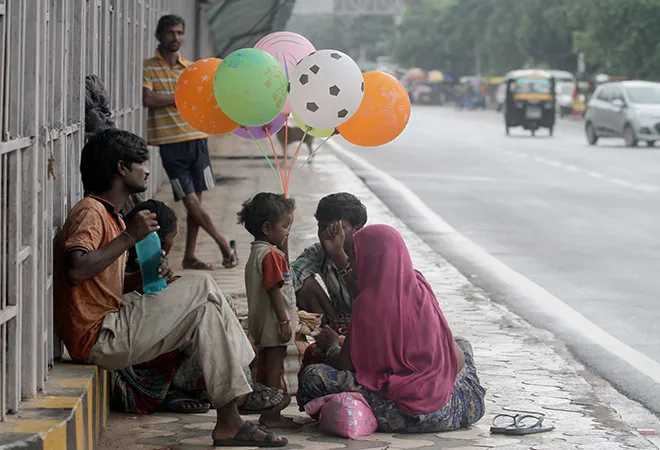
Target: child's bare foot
{"x":278,"y":421}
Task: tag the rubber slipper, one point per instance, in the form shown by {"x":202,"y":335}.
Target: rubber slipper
{"x":243,"y":438}
{"x":251,"y":405}
{"x":170,"y":406}
{"x":520,"y":424}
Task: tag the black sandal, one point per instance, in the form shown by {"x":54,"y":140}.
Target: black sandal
{"x":243,"y":438}
{"x":254,"y":404}
{"x":520,"y":424}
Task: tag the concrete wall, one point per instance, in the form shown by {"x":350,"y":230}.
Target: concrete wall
{"x":198,"y":41}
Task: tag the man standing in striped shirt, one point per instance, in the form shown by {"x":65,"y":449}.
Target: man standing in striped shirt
{"x":183,"y":150}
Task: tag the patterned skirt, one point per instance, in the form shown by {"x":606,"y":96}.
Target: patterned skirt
{"x":465,"y":407}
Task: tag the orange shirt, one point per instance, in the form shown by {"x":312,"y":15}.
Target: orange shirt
{"x":80,"y":310}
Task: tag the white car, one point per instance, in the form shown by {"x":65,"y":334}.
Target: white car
{"x":564,"y":94}
{"x":627,"y":109}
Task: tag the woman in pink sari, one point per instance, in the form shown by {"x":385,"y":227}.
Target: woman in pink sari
{"x":399,"y":353}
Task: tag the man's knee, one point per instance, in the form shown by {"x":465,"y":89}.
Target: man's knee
{"x":310,"y":288}
{"x":191,"y":201}
{"x":306,"y":294}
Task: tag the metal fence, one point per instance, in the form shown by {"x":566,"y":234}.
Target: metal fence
{"x":47,"y":47}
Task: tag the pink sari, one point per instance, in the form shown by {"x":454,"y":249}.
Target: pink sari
{"x":401,"y":344}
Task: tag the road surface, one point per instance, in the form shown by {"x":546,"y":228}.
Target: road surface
{"x":580,"y":221}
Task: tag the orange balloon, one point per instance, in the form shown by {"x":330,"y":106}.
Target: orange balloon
{"x":196,"y":101}
{"x":382,"y":115}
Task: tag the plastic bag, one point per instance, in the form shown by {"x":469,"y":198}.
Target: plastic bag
{"x":347,"y":414}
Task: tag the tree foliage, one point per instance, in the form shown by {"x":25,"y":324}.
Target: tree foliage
{"x":491,"y":37}
{"x":350,"y":34}
{"x":494,"y":36}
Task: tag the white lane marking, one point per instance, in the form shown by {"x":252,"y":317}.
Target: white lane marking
{"x":543,"y":300}
{"x":649,"y":189}
{"x":620,"y":182}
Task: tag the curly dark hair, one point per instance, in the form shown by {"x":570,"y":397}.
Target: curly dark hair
{"x":342,"y":206}
{"x":264,"y":207}
{"x":168,"y":21}
{"x":102,"y":153}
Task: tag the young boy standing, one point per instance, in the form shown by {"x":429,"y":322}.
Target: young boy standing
{"x":272,"y":313}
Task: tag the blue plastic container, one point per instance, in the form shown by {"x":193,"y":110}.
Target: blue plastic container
{"x":149,"y":257}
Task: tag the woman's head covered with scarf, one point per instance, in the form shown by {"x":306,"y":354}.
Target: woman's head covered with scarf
{"x":401,"y":344}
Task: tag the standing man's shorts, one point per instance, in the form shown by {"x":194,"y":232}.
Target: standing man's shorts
{"x":188,"y":166}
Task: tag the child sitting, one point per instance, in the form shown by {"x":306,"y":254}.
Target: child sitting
{"x":272,"y":314}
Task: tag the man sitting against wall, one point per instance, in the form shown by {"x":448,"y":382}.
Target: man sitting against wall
{"x":96,"y":324}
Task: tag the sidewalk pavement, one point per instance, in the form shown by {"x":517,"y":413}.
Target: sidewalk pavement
{"x":523,"y":369}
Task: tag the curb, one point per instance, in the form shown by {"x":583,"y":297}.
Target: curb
{"x":71,"y":413}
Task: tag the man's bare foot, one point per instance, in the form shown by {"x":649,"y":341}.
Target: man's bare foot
{"x":196,"y":264}
{"x":246,"y":433}
{"x":278,"y":421}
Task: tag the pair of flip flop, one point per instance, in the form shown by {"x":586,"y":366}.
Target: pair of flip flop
{"x":520,"y":424}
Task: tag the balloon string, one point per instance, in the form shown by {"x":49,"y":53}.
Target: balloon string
{"x":286,"y":144}
{"x":279,"y":180}
{"x":295,"y":156}
{"x":277,"y":162}
{"x":309,"y":158}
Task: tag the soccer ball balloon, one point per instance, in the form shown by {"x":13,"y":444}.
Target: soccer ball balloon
{"x":326,"y":89}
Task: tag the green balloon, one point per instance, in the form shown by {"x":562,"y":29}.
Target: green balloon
{"x":316,"y":132}
{"x":250,"y":87}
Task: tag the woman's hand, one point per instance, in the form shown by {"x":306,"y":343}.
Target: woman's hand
{"x":285,"y":332}
{"x":333,"y":238}
{"x":164,"y":270}
{"x":327,"y":339}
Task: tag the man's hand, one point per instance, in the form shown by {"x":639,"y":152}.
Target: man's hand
{"x":164,"y":270}
{"x":333,"y":238}
{"x":143,"y":223}
{"x":327,"y":339}
{"x":285,"y":332}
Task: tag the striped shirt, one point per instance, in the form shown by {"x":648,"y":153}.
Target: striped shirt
{"x":165,"y":125}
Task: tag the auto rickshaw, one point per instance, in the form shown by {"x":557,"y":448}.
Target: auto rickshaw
{"x":530,"y":100}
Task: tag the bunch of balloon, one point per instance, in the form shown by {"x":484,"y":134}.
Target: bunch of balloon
{"x":253,"y":91}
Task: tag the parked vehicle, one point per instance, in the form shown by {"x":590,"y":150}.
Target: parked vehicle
{"x":561,"y":76}
{"x":530,"y":100}
{"x":565,"y":98}
{"x":625,"y":109}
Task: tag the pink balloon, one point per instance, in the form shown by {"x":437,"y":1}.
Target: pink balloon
{"x":288,"y":48}
{"x":262,"y":132}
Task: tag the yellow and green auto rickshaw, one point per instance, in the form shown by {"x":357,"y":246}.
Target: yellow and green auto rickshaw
{"x":530,"y":100}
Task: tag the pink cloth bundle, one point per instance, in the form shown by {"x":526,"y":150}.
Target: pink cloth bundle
{"x":347,"y":414}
